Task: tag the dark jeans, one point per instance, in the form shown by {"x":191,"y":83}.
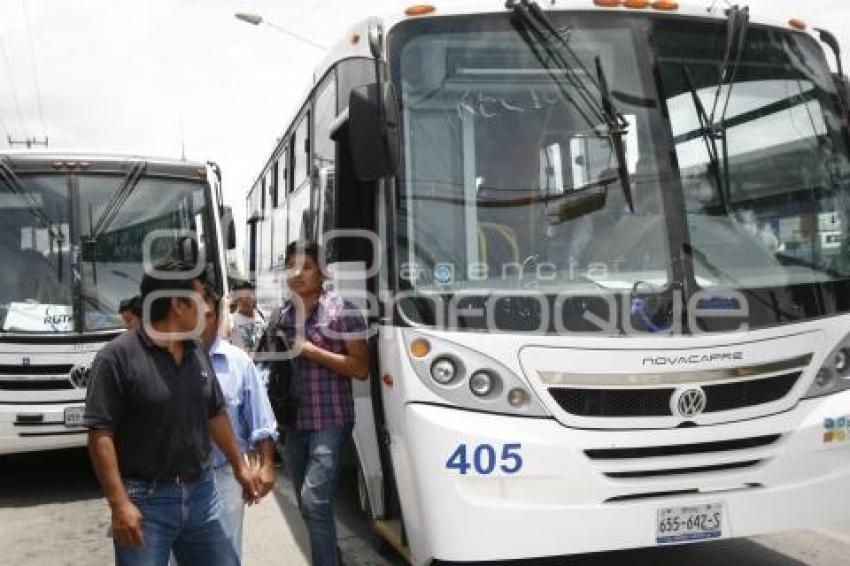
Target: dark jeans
{"x":183,"y":517}
{"x":314,"y":458}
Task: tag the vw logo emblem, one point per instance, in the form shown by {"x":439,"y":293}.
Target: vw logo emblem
{"x":80,"y":376}
{"x":689,"y":403}
{"x":25,"y":361}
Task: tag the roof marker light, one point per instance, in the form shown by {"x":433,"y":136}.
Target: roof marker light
{"x":607,"y":3}
{"x":665,"y":5}
{"x":420,"y":10}
{"x":636,"y":4}
{"x":797,"y":23}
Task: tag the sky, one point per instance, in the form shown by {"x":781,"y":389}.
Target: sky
{"x":161,"y":77}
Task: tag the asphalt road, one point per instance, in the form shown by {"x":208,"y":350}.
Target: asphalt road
{"x":51,"y":513}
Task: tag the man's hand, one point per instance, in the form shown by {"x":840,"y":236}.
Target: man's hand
{"x":126,"y":517}
{"x":250,"y":483}
{"x":266,"y":479}
{"x":127,"y":524}
{"x":354,"y":362}
{"x":307,"y":350}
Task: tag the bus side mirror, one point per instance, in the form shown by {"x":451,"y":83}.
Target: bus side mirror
{"x":373,"y":132}
{"x":228,"y":226}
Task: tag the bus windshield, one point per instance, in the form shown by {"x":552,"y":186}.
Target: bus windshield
{"x":510,"y":181}
{"x":40,"y":296}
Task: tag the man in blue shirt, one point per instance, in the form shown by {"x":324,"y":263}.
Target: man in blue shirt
{"x":250,"y":415}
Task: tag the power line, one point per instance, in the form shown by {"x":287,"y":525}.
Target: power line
{"x":34,"y":68}
{"x":12,"y":84}
{"x":295,"y":35}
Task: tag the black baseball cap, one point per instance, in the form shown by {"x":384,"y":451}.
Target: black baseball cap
{"x":133,"y":304}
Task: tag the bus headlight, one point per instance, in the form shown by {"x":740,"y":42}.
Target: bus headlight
{"x":481,"y":383}
{"x":467,"y":378}
{"x":834,"y":375}
{"x":443,"y":371}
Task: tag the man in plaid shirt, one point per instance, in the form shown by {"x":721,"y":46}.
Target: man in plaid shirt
{"x":328,"y":336}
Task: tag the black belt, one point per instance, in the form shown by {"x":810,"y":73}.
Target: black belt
{"x":171,"y":478}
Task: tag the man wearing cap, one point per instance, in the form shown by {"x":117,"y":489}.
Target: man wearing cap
{"x":130,"y":311}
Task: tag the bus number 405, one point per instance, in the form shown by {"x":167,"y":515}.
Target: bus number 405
{"x":484,"y":459}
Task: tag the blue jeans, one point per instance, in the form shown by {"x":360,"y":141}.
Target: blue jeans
{"x":314,"y":458}
{"x":184,"y":517}
{"x":232,"y":505}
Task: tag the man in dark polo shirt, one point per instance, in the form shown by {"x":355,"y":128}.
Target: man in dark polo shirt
{"x":153,"y":405}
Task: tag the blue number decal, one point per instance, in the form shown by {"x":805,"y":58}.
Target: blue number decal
{"x":480,"y":466}
{"x":510,"y":452}
{"x":484,"y":459}
{"x":457,"y":461}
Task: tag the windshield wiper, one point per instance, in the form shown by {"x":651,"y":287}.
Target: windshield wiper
{"x":119,"y":197}
{"x":617,"y":128}
{"x":712,"y":127}
{"x":532,"y":20}
{"x":710,"y":136}
{"x":738,"y":21}
{"x":524,"y":24}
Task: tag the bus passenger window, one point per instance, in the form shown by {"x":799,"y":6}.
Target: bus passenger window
{"x":283,"y":176}
{"x":301,"y":149}
{"x":324,"y":154}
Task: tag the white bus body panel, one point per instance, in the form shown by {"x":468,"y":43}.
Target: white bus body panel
{"x":563,"y":501}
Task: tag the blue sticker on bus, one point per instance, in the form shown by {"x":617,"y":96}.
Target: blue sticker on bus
{"x":484,"y":459}
{"x":444,"y":273}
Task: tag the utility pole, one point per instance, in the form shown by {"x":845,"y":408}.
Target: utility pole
{"x":29,"y":142}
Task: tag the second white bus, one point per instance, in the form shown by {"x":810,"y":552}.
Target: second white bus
{"x":606,"y":253}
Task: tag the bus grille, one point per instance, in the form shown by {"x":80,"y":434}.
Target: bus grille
{"x":682,"y":449}
{"x":683,"y":459}
{"x":35,"y":377}
{"x":21,"y":370}
{"x":682,"y":471}
{"x":655,"y":402}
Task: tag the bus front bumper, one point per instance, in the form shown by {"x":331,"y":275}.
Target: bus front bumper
{"x":491,"y":487}
{"x":34,"y":427}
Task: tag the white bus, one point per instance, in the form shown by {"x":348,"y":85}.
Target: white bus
{"x":609,"y":278}
{"x":75,"y":233}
